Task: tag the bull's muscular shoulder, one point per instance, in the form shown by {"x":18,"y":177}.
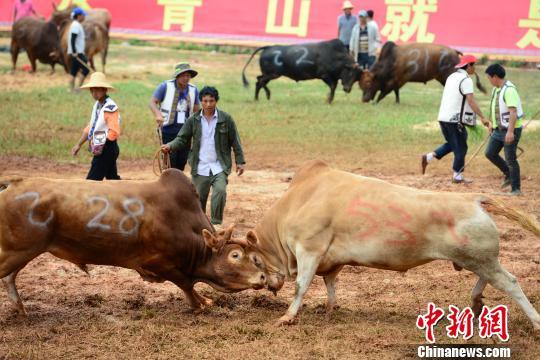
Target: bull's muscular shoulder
{"x":310,"y":169}
{"x":176,"y":179}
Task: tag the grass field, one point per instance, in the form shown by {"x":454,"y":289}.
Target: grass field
{"x":114,"y":314}
{"x":296,"y":123}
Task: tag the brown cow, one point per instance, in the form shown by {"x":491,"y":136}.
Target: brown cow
{"x":330,"y":218}
{"x":415,"y":62}
{"x":96,"y":26}
{"x":39,"y":38}
{"x":156,"y":228}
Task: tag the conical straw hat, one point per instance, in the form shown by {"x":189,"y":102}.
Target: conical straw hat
{"x":97,"y":80}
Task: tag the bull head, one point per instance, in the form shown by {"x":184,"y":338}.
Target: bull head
{"x":349,"y":75}
{"x":234,"y":265}
{"x":368,"y":85}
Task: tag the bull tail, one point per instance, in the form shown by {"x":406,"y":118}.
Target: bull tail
{"x":244,"y":79}
{"x":479,"y":84}
{"x":496,"y":207}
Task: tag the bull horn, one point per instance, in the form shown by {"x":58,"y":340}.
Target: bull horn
{"x":54,"y":5}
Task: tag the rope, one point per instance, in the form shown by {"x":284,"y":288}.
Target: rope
{"x":83,"y":64}
{"x":163,"y":160}
{"x":519,"y":148}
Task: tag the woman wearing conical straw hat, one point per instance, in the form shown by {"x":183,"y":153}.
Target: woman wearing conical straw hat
{"x":102,"y":131}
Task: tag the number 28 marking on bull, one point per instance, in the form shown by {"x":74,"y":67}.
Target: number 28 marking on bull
{"x":127,"y":204}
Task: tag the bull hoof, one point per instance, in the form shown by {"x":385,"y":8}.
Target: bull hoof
{"x":285,"y":320}
{"x":206,"y":302}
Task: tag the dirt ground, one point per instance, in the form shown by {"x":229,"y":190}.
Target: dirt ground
{"x":113,"y":313}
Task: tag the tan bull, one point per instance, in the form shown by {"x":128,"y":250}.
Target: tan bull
{"x":156,"y":228}
{"x":330,"y":218}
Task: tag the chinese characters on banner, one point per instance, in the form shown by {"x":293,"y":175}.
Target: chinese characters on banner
{"x":179,"y":12}
{"x":531,"y":37}
{"x":64,"y":4}
{"x":491,"y":322}
{"x":407,"y":18}
{"x":287,"y":26}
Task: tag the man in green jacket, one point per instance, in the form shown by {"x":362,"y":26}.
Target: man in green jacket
{"x":213,"y":134}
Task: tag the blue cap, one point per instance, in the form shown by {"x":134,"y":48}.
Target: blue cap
{"x":362,"y":13}
{"x":77,"y":11}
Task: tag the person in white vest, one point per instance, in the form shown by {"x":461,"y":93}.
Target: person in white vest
{"x":102,"y":131}
{"x":76,"y":46}
{"x":172,"y":103}
{"x":506,"y":115}
{"x":458,"y":109}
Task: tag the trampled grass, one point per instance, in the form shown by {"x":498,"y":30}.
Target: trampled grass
{"x":44,"y":120}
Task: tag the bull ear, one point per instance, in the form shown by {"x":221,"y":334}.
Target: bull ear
{"x":252,"y":238}
{"x":213,"y":242}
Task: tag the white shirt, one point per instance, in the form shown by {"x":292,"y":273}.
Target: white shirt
{"x":452,"y":98}
{"x":208,"y":160}
{"x":76,"y":28}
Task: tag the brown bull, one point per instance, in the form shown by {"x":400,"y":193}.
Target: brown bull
{"x":156,"y":228}
{"x":96,"y":28}
{"x":39,"y":38}
{"x":329,"y":218}
{"x":400,"y":64}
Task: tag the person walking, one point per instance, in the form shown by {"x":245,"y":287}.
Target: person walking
{"x":458,"y":108}
{"x":76,"y":47}
{"x":213,"y":134}
{"x":506,"y":116}
{"x":172,"y":103}
{"x":102,"y":131}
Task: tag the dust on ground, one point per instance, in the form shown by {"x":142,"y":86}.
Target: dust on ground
{"x":113,"y":313}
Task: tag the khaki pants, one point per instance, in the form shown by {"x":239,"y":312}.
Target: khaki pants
{"x":219,"y":194}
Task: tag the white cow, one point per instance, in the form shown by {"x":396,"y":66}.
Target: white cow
{"x":330,"y":218}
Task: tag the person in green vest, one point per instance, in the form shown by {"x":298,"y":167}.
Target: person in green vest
{"x":213,"y":134}
{"x":506,"y":116}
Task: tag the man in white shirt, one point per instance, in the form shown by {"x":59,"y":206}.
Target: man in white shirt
{"x":76,"y":46}
{"x":213,"y":135}
{"x":458,"y":108}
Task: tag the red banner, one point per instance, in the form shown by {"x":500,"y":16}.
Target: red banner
{"x":484,"y":26}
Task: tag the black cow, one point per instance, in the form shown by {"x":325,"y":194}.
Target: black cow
{"x":327,"y":60}
{"x":39,"y":38}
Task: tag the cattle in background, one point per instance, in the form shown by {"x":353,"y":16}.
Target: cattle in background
{"x":329,"y":218}
{"x":327,"y":60}
{"x":156,"y":228}
{"x":39,"y":38}
{"x":415,"y":62}
{"x":96,"y":28}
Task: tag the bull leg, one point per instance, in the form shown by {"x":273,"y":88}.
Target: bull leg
{"x":91,"y":61}
{"x":330,"y":281}
{"x":13,"y":294}
{"x":307,"y":266}
{"x":262,"y":80}
{"x":32,"y":61}
{"x":11,"y":262}
{"x":332,"y":84}
{"x":476,"y":296}
{"x":14,"y":54}
{"x":52,"y":68}
{"x":383,"y":94}
{"x":396,"y":91}
{"x":203,"y":300}
{"x":501,"y":279}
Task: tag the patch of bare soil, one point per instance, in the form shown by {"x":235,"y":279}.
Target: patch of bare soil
{"x":113,"y":313}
